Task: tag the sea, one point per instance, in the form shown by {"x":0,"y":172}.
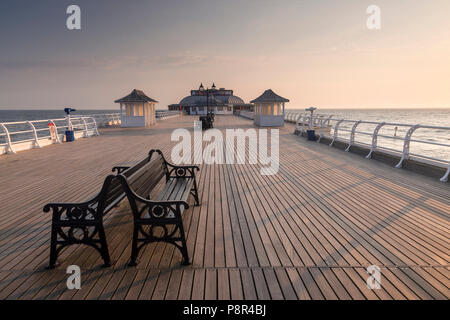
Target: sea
{"x":394,"y":134}
{"x":26,"y":115}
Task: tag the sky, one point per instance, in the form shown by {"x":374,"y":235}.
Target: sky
{"x":315,"y":53}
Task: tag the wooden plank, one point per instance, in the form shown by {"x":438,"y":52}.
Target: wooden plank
{"x":223,"y":284}
{"x":248,"y":285}
{"x":198,"y":286}
{"x":186,"y":284}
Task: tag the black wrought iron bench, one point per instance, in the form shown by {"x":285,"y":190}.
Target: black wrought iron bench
{"x":164,"y":211}
{"x":82,"y":223}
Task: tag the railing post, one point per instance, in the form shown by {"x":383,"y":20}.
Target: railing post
{"x":71,"y":126}
{"x":321,"y":123}
{"x":95,"y":127}
{"x":336,"y":130}
{"x":317,"y":120}
{"x":375,"y":139}
{"x":406,"y":145}
{"x":296,"y":121}
{"x":305,"y":117}
{"x":85,"y":127}
{"x":352,"y":135}
{"x":322,"y":127}
{"x":56,"y":131}
{"x":445,"y":177}
{"x":36,"y":140}
{"x":8,"y":139}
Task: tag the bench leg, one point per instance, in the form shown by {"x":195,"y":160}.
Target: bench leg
{"x":195,"y":193}
{"x":134,"y":248}
{"x":183,"y":249}
{"x":53,"y":251}
{"x":104,"y":247}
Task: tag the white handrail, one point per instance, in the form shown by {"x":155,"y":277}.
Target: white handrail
{"x":165,"y":114}
{"x":352,"y":136}
{"x":36,"y":139}
{"x":375,"y":139}
{"x":406,"y":145}
{"x":8,"y":139}
{"x":321,"y":123}
{"x":18,"y":134}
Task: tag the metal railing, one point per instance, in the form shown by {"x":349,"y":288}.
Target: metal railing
{"x":165,"y":114}
{"x":246,"y":114}
{"x":22,"y":135}
{"x":106,"y":119}
{"x":396,"y":137}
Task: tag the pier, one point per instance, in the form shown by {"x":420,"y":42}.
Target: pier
{"x":308,"y":232}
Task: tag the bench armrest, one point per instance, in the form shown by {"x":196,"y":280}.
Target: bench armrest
{"x":181,"y":171}
{"x":71,"y":211}
{"x":183,"y":166}
{"x":119,"y":169}
{"x":165,"y":203}
{"x":159,"y":210}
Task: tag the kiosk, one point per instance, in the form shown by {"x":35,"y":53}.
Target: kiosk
{"x":269,"y":109}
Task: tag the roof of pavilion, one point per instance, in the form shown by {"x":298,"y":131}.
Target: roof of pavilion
{"x":136,"y":96}
{"x":269,"y":96}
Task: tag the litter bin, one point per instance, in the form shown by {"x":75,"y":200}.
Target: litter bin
{"x":70,"y":136}
{"x":311,"y":135}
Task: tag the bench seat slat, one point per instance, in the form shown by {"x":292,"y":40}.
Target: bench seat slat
{"x":165,"y":193}
{"x":176,"y":189}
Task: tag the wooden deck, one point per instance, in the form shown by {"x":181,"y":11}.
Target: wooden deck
{"x":308,"y":232}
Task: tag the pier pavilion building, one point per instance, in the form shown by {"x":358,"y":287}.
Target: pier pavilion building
{"x":219,"y":101}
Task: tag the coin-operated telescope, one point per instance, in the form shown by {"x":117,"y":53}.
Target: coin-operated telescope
{"x":311,"y":132}
{"x":70,"y":136}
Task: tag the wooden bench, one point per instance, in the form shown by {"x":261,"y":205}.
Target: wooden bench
{"x":158,"y":219}
{"x":82,"y":223}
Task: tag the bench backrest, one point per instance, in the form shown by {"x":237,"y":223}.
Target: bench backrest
{"x":142,"y":178}
{"x":111,"y":194}
{"x":130,"y":171}
{"x":147,"y":177}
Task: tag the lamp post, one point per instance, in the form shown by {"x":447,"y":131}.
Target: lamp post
{"x":208,"y":93}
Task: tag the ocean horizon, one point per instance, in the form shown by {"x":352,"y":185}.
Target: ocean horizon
{"x":431,"y":117}
{"x":424,"y":116}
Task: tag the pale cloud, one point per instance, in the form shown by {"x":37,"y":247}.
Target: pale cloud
{"x":174,"y":60}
